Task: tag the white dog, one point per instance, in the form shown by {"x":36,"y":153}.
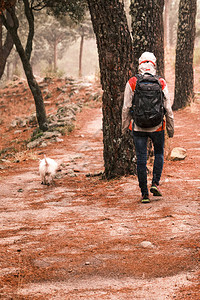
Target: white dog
{"x":47,"y":169}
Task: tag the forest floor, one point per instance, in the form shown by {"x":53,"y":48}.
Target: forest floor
{"x":88,"y":238}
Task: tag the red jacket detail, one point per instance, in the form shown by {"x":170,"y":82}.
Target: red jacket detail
{"x":133,"y":81}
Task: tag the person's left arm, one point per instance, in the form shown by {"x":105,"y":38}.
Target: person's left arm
{"x":168,"y":109}
{"x":126,"y":114}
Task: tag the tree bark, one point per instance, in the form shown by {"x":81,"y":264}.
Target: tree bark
{"x":30,"y":19}
{"x":5,"y":48}
{"x":81,"y":54}
{"x":166,"y":24}
{"x":34,"y":87}
{"x":148,"y":30}
{"x":184,"y":77}
{"x":115,"y":59}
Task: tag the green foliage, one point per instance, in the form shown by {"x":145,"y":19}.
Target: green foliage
{"x":70,"y":128}
{"x":50,"y":73}
{"x":85,"y":28}
{"x":74,"y":8}
{"x":36,"y":134}
{"x":64,"y":129}
{"x":6,"y":152}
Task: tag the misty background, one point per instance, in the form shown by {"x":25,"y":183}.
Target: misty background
{"x":60,"y":44}
{"x":90,"y":64}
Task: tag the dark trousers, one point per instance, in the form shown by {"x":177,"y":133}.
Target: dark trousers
{"x":140,"y":141}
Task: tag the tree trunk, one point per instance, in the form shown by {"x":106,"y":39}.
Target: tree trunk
{"x":8,"y":70}
{"x":34,"y":87}
{"x":55,"y":55}
{"x":127,"y":10}
{"x":81,"y":55}
{"x":5,"y":48}
{"x":115,"y":59}
{"x":147,"y":30}
{"x":184,"y":77}
{"x":166,"y":24}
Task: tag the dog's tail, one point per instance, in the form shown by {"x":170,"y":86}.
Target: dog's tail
{"x":46,"y":162}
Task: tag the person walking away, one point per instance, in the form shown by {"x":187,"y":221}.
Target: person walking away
{"x":148,"y":120}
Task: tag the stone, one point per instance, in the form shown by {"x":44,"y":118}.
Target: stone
{"x":34,"y":143}
{"x":49,"y":134}
{"x":32,"y":119}
{"x":146,"y":244}
{"x":23,"y":123}
{"x":14,"y":123}
{"x":43,"y":144}
{"x":45,"y":91}
{"x":17,"y":131}
{"x":178,"y":153}
{"x":43,"y":84}
{"x":58,"y":140}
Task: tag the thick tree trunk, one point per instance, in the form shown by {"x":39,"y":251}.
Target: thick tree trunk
{"x":115,"y":59}
{"x":6,"y":47}
{"x":147,"y":30}
{"x":184,"y":77}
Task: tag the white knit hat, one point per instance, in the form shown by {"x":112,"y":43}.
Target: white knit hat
{"x":147,"y":57}
{"x":147,"y":63}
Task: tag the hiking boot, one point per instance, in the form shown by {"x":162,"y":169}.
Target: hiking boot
{"x":155,"y":190}
{"x":145,"y":199}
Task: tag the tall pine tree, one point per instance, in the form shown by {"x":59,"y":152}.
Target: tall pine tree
{"x":184,"y":77}
{"x":115,"y":58}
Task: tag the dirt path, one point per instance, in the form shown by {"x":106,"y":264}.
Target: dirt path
{"x":86,"y":238}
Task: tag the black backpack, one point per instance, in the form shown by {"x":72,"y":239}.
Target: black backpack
{"x":147,"y":104}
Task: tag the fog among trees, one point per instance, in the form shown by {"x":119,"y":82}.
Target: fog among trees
{"x":68,"y":49}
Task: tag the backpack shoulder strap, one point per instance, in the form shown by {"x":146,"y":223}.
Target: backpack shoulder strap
{"x":138,"y":77}
{"x":158,"y":77}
